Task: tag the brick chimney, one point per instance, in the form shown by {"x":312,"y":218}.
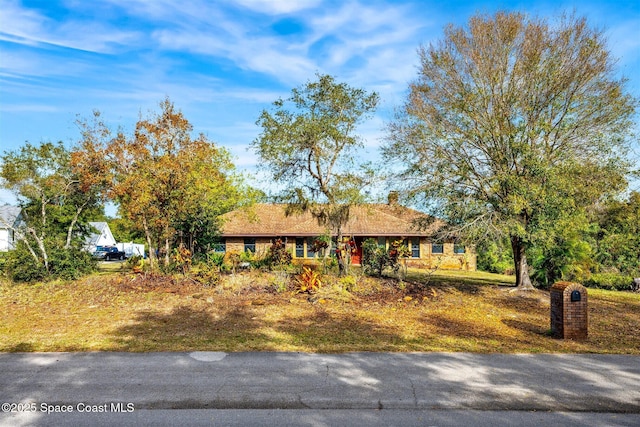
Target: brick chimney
{"x":392,"y":198}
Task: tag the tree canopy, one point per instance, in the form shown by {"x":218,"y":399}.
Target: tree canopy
{"x":512,"y":127}
{"x":56,"y":205}
{"x":308,"y":143}
{"x":170,"y":185}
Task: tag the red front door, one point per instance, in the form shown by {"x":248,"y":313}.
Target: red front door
{"x":356,"y":254}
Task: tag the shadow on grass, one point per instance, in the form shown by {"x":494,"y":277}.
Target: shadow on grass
{"x":473,"y":336}
{"x":241,"y":329}
{"x":185,"y":328}
{"x":470,"y":283}
{"x":527,"y":327}
{"x":23,"y":347}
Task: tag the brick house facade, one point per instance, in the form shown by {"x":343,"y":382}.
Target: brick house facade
{"x":255,"y":228}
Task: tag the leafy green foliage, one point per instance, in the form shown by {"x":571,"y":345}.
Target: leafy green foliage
{"x":494,"y":257}
{"x":611,"y":281}
{"x":512,"y":126}
{"x":307,"y":143}
{"x":215,"y":258}
{"x":278,"y":254}
{"x":376,"y":258}
{"x":67,"y":264}
{"x":56,"y":204}
{"x":20,"y":266}
{"x":71,"y":264}
{"x":617,"y":235}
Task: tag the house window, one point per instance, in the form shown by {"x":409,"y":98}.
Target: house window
{"x":437,"y":248}
{"x":220,"y":246}
{"x":415,"y":247}
{"x":310,"y":252}
{"x":458,"y":249}
{"x":382,"y":242}
{"x":250,"y":245}
{"x":299,"y":247}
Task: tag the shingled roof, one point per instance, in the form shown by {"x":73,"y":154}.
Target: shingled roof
{"x":269,"y":220}
{"x":9,"y":215}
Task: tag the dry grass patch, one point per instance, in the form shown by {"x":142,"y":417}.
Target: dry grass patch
{"x":440,"y":312}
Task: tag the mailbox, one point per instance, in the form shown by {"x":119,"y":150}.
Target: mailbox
{"x":569,"y":314}
{"x":575,"y":296}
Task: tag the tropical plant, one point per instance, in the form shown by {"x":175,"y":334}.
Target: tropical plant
{"x":278,"y":254}
{"x":309,"y":281}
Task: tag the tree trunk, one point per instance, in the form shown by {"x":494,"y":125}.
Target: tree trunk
{"x":341,"y":254}
{"x":167,"y":252}
{"x":523,"y":281}
{"x":43,"y":250}
{"x":22,"y":237}
{"x":152,"y":252}
{"x":167,"y":246}
{"x":74,"y":221}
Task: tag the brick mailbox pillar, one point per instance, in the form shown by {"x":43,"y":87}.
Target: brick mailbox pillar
{"x":569,"y":310}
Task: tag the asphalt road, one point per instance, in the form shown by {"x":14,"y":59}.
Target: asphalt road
{"x":209,"y":388}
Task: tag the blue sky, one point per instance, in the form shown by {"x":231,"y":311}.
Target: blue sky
{"x":222,"y":62}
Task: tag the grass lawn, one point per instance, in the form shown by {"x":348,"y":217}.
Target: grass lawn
{"x":447,"y":311}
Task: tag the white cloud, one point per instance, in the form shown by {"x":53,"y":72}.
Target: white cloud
{"x":26,"y":26}
{"x":278,"y":7}
{"x":30,"y":108}
{"x":19,"y":23}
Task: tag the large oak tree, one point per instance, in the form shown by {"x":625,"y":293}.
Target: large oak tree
{"x":513,"y":125}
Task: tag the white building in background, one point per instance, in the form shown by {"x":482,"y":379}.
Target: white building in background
{"x":131,"y":249}
{"x":10,"y":218}
{"x":101,"y":237}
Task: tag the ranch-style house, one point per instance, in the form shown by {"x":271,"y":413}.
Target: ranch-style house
{"x":255,"y":228}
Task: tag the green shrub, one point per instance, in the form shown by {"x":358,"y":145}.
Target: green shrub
{"x":71,"y":264}
{"x":253,"y":259}
{"x":207,"y":274}
{"x":215,"y":258}
{"x":348,"y":283}
{"x":278,"y":255}
{"x":495,"y":257}
{"x":3,"y":260}
{"x":136,"y":264}
{"x":67,"y":264}
{"x":21,"y":267}
{"x":374,"y":258}
{"x":611,"y":281}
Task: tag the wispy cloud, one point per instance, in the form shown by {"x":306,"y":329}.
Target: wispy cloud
{"x":221,"y":62}
{"x":27,"y":26}
{"x":278,"y":7}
